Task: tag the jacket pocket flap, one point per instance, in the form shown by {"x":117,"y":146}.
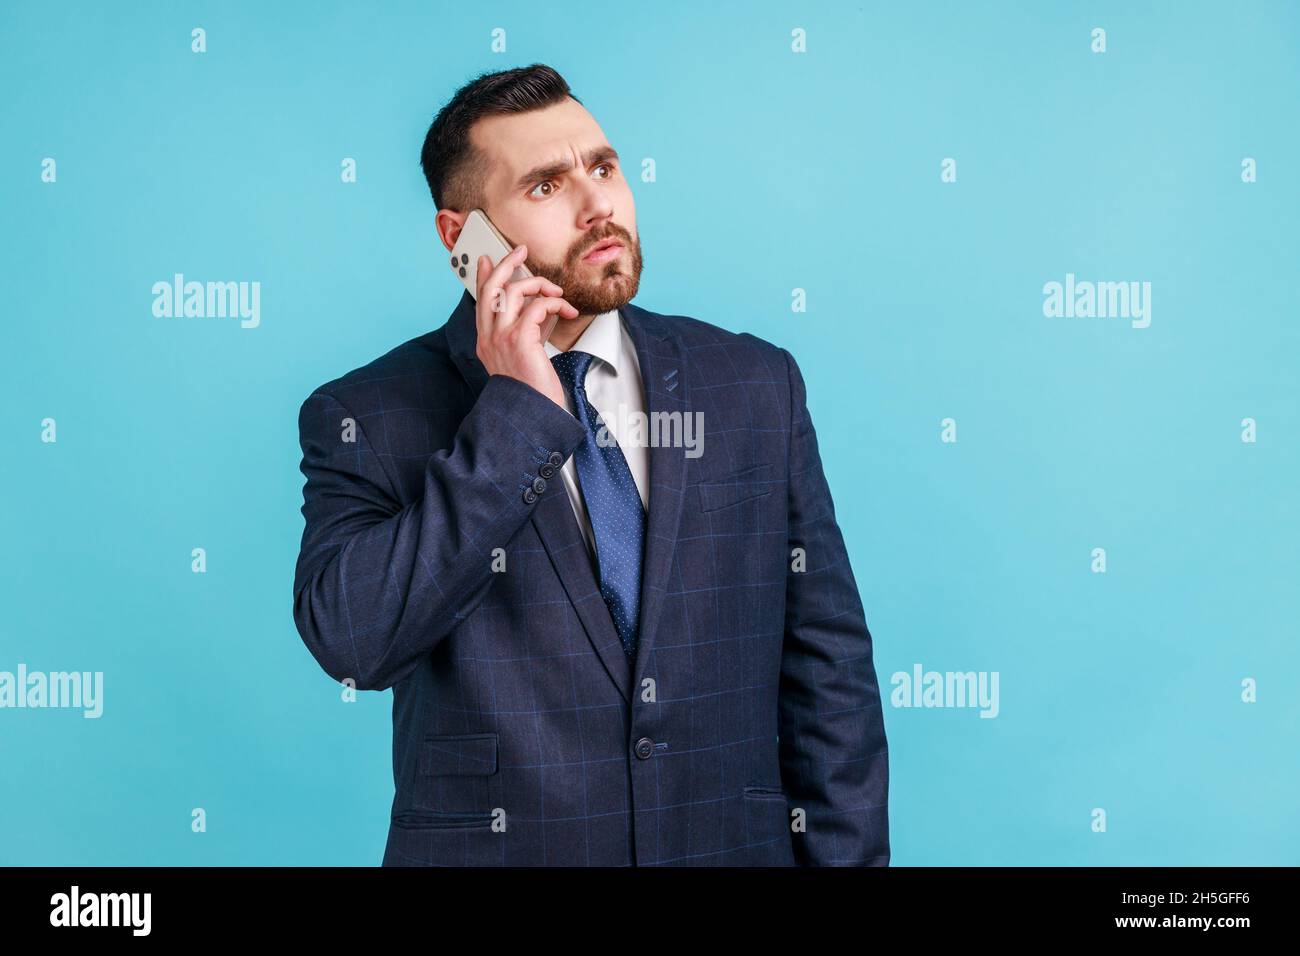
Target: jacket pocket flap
{"x":723,"y":494}
{"x":459,"y":755}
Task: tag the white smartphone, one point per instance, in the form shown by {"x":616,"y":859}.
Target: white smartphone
{"x":478,"y":237}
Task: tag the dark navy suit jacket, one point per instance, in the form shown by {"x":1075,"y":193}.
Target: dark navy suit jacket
{"x":748,"y":730}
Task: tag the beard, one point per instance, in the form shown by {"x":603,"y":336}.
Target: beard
{"x":592,"y":289}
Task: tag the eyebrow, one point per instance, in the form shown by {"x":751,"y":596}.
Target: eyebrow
{"x":598,"y":154}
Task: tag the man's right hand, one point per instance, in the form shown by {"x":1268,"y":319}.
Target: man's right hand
{"x":510,"y":337}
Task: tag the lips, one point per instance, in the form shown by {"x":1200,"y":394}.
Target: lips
{"x":604,"y":249}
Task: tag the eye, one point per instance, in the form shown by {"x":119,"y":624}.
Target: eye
{"x":612,"y":169}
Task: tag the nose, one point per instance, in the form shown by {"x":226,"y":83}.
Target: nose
{"x":595,"y":207}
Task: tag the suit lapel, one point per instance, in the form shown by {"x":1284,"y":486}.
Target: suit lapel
{"x":663,"y":375}
{"x":664,"y":379}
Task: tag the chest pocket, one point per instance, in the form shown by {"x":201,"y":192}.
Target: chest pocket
{"x":742,"y":485}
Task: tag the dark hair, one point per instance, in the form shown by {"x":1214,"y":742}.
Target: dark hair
{"x":452,"y":166}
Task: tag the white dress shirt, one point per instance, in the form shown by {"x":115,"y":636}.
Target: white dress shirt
{"x":613,"y":385}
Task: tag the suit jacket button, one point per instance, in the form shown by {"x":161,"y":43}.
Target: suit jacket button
{"x":529,"y":495}
{"x":645,"y":747}
{"x":539,"y":485}
{"x":547,"y":470}
{"x":556,"y":459}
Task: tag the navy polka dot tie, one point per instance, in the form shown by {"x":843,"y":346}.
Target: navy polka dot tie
{"x":613,"y":502}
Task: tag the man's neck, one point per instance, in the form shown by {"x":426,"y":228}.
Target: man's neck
{"x":568,"y":331}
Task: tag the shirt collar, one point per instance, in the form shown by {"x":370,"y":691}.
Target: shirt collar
{"x":602,"y":338}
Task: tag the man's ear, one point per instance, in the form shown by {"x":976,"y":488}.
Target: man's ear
{"x":449,"y":223}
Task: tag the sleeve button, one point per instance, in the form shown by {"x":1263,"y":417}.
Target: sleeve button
{"x":556,"y":459}
{"x":529,"y":495}
{"x":547,"y":470}
{"x":539,"y":485}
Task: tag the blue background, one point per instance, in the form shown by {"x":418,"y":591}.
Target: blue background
{"x":776,"y":171}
